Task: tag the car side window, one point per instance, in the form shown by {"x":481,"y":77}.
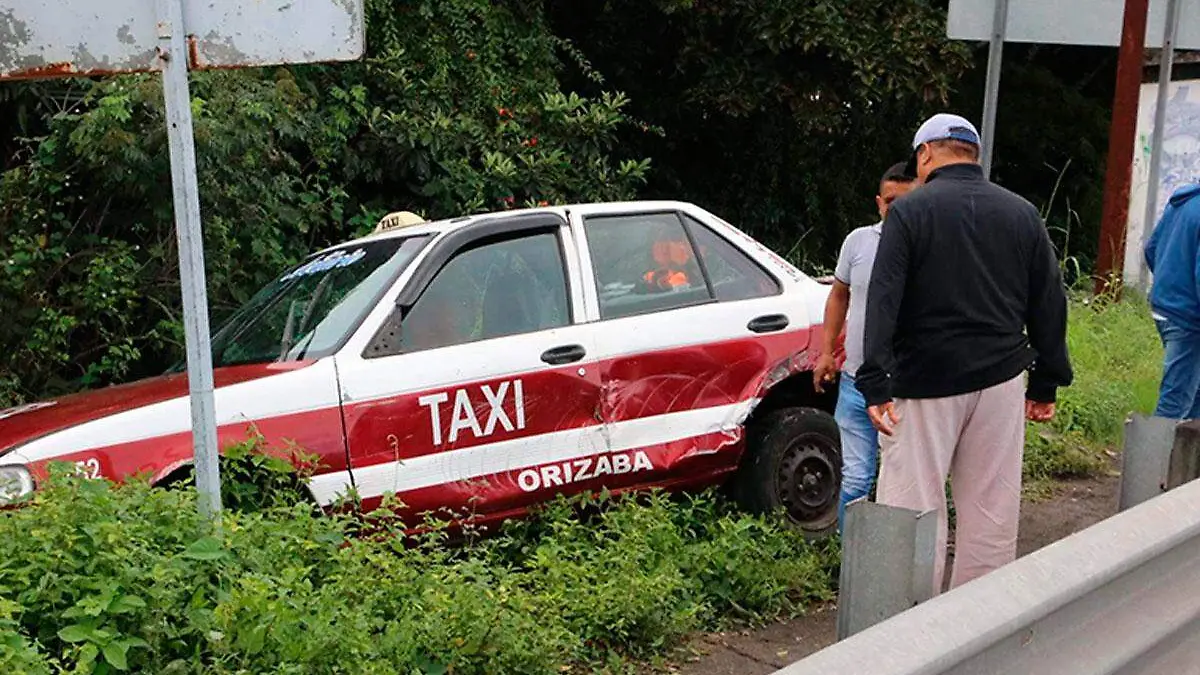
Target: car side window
{"x":494,"y":290}
{"x":643,"y":263}
{"x":733,"y":274}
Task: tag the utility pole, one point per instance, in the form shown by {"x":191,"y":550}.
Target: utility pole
{"x":1121,"y":137}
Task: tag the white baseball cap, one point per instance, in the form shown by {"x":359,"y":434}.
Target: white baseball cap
{"x":941,"y":127}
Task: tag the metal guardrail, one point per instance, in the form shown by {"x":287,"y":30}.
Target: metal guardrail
{"x":1121,"y":597}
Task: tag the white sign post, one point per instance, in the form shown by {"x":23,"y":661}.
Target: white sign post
{"x":1170,"y":33}
{"x":991,"y":92}
{"x":84,"y":37}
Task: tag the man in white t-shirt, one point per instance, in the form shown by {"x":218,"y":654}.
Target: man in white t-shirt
{"x":847,"y":306}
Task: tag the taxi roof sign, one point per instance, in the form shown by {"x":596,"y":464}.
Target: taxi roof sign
{"x":397,"y":220}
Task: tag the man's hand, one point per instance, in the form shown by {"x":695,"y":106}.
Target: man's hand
{"x":884,"y":416}
{"x":1039,"y":412}
{"x":824,"y":372}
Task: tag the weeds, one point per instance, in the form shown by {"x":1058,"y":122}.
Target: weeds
{"x":1116,"y":355}
{"x":102,"y":578}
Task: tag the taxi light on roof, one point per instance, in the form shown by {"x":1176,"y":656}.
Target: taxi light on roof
{"x":397,"y":220}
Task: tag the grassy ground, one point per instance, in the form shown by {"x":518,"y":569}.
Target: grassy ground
{"x":1117,"y":358}
{"x":96,"y":579}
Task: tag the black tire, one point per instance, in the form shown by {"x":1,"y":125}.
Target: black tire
{"x":793,"y":466}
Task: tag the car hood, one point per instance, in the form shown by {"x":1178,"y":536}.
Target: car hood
{"x":26,"y":423}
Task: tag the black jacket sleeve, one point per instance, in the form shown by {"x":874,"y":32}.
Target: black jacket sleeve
{"x":889,"y":276}
{"x":1046,"y":322}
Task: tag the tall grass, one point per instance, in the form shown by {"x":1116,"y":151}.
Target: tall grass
{"x":1117,"y":356}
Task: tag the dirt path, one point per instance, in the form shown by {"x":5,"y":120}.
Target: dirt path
{"x":1075,"y":506}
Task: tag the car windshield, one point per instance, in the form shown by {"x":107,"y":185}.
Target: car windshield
{"x":310,"y":311}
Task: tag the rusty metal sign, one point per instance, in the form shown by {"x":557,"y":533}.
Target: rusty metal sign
{"x":40,"y":39}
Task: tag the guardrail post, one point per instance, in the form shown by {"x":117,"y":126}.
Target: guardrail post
{"x":1185,"y":455}
{"x":1146,"y":458}
{"x":887,"y":564}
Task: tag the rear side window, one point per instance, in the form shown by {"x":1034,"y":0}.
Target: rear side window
{"x":655,"y":262}
{"x":644,"y":263}
{"x":733,"y":274}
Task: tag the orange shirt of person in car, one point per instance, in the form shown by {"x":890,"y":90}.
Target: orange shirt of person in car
{"x":670,"y":256}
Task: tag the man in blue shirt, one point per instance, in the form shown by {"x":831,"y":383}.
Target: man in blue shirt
{"x":1172,"y":256}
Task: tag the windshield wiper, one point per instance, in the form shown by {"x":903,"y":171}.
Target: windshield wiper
{"x":246,"y":318}
{"x":306,"y":342}
{"x":289,"y":330}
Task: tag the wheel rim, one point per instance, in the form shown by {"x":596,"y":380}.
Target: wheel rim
{"x":809,"y":480}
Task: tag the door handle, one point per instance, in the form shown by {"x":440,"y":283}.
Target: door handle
{"x":770,"y":323}
{"x":565,"y":354}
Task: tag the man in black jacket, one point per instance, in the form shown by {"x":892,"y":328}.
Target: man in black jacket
{"x":965,"y":296}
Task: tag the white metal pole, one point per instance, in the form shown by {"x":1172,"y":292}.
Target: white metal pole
{"x":1166,"y":63}
{"x":173,"y":55}
{"x":991,"y":94}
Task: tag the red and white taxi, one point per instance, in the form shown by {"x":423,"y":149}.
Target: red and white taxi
{"x":487,"y":363}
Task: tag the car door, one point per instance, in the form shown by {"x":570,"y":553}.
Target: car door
{"x":481,"y":379}
{"x":688,"y":327}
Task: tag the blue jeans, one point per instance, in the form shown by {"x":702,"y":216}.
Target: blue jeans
{"x":1179,"y":394}
{"x":860,"y":445}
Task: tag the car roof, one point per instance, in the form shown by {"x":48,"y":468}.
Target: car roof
{"x":438,"y":227}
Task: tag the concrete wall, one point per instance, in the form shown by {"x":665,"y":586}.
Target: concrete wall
{"x":1181,"y":162}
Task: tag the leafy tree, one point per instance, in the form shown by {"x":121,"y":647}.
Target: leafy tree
{"x":456,"y":108}
{"x":782,"y":115}
{"x":778,"y":115}
{"x":1052,"y":135}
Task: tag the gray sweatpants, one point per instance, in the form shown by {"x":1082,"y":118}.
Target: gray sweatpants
{"x":977,"y":439}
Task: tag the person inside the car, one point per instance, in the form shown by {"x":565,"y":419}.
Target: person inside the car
{"x":671,"y":256}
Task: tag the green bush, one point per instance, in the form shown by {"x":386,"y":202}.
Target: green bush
{"x":100,"y":578}
{"x":255,"y":477}
{"x":17,"y":655}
